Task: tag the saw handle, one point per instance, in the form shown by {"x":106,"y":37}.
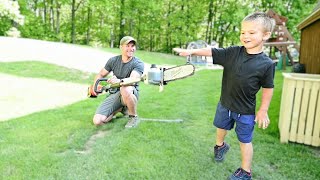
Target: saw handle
{"x":96,"y":89}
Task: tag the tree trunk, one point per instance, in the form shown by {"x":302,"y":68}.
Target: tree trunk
{"x":168,"y":34}
{"x":209,"y":22}
{"x":52,"y":21}
{"x":150,"y":41}
{"x":122,"y":20}
{"x":223,"y":33}
{"x":88,"y":25}
{"x":218,"y":23}
{"x":14,"y":24}
{"x":111,"y":38}
{"x":45,"y":12}
{"x":58,"y":18}
{"x":139,"y":27}
{"x":180,"y":27}
{"x":35,"y":8}
{"x":73,"y":26}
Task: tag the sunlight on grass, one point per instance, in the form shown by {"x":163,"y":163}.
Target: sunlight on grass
{"x":38,"y":69}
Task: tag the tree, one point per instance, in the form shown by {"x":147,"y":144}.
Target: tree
{"x":10,"y":17}
{"x":159,"y":25}
{"x":74,"y":8}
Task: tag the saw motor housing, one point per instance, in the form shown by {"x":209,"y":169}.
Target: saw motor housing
{"x":155,"y":75}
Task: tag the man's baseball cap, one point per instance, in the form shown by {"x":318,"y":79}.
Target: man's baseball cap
{"x":126,"y":40}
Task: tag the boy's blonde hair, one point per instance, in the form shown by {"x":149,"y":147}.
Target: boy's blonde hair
{"x":266,"y":21}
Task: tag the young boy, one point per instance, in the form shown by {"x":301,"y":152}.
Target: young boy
{"x":246,"y":70}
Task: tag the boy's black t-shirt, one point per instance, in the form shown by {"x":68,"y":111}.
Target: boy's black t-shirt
{"x":243,"y":75}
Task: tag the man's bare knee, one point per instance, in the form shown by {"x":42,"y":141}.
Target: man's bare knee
{"x":126,"y":91}
{"x":99,"y":119}
{"x":127,"y":95}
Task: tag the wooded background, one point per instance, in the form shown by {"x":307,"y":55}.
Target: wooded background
{"x":158,"y":25}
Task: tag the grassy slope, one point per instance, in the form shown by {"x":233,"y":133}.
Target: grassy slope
{"x":63,"y":144}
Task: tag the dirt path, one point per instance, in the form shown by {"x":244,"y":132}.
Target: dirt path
{"x":72,"y":56}
{"x":21,"y":96}
{"x":25,"y":97}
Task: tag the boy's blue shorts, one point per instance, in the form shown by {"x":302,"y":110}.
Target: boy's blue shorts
{"x":225,"y":119}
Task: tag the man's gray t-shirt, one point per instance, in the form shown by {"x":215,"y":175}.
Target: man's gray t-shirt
{"x":123,"y":70}
{"x":243,"y":75}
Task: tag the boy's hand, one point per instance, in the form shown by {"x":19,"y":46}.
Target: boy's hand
{"x":262,"y":119}
{"x":182,"y":52}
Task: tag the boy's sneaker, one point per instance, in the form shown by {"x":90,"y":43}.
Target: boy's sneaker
{"x":132,"y":122}
{"x":220,"y":152}
{"x":240,"y":174}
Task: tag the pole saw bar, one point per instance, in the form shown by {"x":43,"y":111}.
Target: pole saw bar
{"x":155,"y":76}
{"x":123,"y":82}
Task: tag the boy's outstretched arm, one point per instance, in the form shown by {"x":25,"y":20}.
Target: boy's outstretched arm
{"x":195,"y":52}
{"x":262,"y":115}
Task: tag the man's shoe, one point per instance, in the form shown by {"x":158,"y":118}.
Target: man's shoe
{"x":240,"y":174}
{"x":133,"y":122}
{"x":220,"y":152}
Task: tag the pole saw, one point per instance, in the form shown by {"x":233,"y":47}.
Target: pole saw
{"x":155,"y":76}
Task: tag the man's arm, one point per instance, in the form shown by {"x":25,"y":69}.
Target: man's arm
{"x":135,"y":74}
{"x":102,"y":73}
{"x":135,"y":77}
{"x":195,"y":52}
{"x":262,"y":115}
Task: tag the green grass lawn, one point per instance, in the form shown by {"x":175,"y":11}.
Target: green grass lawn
{"x":63,"y":143}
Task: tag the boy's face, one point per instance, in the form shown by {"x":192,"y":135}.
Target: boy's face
{"x":128,"y":50}
{"x":252,"y":36}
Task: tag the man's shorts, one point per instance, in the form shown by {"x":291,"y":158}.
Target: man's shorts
{"x":113,"y":102}
{"x":225,"y":119}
